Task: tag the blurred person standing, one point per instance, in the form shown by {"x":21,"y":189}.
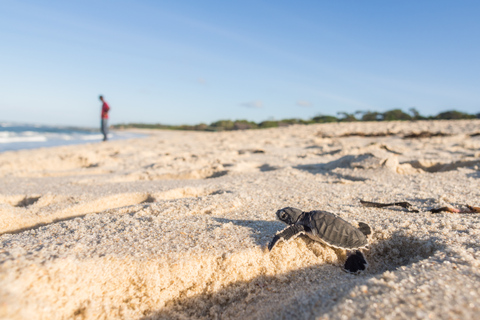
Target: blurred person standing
{"x":104,"y":123}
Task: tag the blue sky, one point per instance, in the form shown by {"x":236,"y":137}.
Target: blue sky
{"x":187,"y":62}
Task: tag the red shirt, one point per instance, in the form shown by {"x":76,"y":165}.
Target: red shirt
{"x":105,"y":109}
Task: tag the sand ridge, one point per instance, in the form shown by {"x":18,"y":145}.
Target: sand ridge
{"x":175,"y":225}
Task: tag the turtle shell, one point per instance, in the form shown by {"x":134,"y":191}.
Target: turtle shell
{"x":334,"y":231}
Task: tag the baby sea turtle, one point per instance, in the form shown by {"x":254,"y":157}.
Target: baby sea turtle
{"x":327,"y":228}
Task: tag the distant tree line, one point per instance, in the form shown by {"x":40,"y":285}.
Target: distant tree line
{"x":227,"y":125}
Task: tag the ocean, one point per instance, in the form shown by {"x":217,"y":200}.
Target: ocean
{"x":15,"y":136}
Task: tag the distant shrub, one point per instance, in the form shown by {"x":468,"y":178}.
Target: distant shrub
{"x":371,"y":116}
{"x":347,"y":117}
{"x":454,"y":115}
{"x":268,"y":124}
{"x":285,"y":122}
{"x":396,"y":114}
{"x":324,"y":119}
{"x":221,"y":125}
{"x":201,"y":127}
{"x":184,"y":127}
{"x":415,"y":114}
{"x":244,"y":125}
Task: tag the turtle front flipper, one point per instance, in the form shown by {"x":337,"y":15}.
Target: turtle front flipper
{"x":286,"y":234}
{"x":355,"y":262}
{"x":364,"y":228}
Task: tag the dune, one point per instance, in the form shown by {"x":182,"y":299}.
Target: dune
{"x":176,"y":225}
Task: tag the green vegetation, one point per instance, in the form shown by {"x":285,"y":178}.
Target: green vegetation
{"x":227,"y":125}
{"x":455,"y":115}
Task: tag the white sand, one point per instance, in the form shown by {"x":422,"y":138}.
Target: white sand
{"x":175,"y":226}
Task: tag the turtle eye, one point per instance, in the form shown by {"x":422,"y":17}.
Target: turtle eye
{"x":284,"y":216}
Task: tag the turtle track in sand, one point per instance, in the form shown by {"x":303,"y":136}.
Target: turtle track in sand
{"x":23,"y":212}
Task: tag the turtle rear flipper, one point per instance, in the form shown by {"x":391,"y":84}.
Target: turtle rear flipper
{"x":355,"y":263}
{"x":364,"y":228}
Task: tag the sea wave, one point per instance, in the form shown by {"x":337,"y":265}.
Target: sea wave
{"x":22,"y":139}
{"x":27,"y":136}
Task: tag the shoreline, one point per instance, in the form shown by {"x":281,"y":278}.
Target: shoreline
{"x":150,"y":131}
{"x":39,"y":142}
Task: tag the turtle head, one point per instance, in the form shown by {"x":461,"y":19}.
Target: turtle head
{"x":289,"y":215}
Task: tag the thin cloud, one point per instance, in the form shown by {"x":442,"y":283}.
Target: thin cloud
{"x":201,"y":81}
{"x":303,"y":103}
{"x":253,"y":104}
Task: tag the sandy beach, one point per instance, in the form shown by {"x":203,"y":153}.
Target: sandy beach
{"x":176,"y":225}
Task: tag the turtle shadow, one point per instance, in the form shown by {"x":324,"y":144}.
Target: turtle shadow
{"x":259,"y":228}
{"x":259,"y":297}
{"x":305,"y":293}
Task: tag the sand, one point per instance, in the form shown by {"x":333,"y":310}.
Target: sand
{"x":175,"y":225}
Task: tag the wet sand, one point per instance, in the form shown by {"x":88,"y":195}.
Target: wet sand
{"x":175,"y":225}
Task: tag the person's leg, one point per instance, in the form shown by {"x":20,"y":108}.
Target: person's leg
{"x":104,"y":128}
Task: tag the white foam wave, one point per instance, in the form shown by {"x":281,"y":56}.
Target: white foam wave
{"x":92,"y":137}
{"x":16,"y":136}
{"x":23,"y":139}
{"x":32,"y":136}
